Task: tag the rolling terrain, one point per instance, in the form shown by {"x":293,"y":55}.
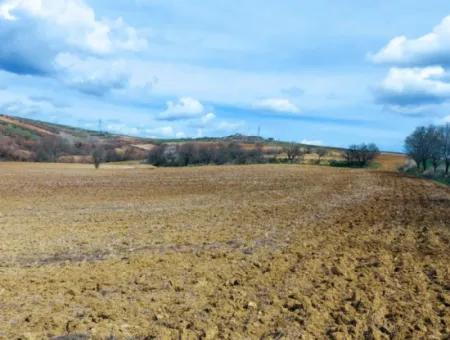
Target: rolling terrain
{"x":29,"y":140}
{"x":24,"y":139}
{"x":264,"y":251}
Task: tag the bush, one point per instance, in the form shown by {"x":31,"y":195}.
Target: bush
{"x":339,"y":164}
{"x":361,"y":155}
{"x":98,"y":156}
{"x":12,"y":130}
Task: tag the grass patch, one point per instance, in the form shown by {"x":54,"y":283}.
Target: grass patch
{"x":14,"y":131}
{"x":439,"y":177}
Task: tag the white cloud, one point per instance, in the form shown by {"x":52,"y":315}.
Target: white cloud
{"x":311,"y":142}
{"x":75,"y":23}
{"x":180,"y":134}
{"x":446,"y":119}
{"x":414,"y":87}
{"x":189,"y":111}
{"x":207,"y":118}
{"x":277,"y":105}
{"x":230,"y":126}
{"x":123,"y":129}
{"x":419,"y":82}
{"x":430,"y":49}
{"x":184,"y":108}
{"x":91,"y":75}
{"x":164,"y":132}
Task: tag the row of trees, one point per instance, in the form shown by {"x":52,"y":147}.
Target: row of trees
{"x":295,"y":151}
{"x":196,"y":153}
{"x":430,"y":145}
{"x":233,"y":153}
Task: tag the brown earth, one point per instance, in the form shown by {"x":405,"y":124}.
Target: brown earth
{"x":236,"y":252}
{"x":391,"y":161}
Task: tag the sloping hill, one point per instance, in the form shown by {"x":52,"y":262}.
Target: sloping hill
{"x":26,"y":126}
{"x":24,"y":139}
{"x":28,"y":140}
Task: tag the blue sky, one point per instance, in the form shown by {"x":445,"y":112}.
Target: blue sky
{"x":310,"y":71}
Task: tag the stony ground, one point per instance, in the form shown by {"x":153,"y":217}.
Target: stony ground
{"x":266,"y":252}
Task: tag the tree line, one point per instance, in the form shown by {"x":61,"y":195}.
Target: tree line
{"x":204,"y":153}
{"x":195,"y":153}
{"x":430,"y":146}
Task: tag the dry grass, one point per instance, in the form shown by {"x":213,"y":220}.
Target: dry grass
{"x":231,"y":252}
{"x":391,"y":161}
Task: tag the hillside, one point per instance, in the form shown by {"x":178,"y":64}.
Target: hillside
{"x":29,"y":140}
{"x":24,"y":139}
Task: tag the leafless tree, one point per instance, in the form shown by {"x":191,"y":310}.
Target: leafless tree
{"x":98,"y":156}
{"x":361,"y":155}
{"x":321,"y":153}
{"x":445,"y":135}
{"x":293,"y":151}
{"x":417,"y":146}
{"x":434,"y":139}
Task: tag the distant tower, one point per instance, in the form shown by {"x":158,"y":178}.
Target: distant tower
{"x":259,"y":130}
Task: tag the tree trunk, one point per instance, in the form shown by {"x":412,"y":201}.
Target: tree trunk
{"x":447,"y":166}
{"x":424,"y":164}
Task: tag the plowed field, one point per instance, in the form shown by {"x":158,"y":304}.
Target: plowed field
{"x":236,"y":252}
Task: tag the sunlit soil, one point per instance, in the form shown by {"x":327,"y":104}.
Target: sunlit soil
{"x":238,"y":252}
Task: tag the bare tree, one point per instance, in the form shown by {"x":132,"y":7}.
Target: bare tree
{"x":417,"y":147}
{"x":445,"y":135}
{"x":98,"y":156}
{"x":361,"y":155}
{"x":350,"y":154}
{"x":321,"y":153}
{"x":369,"y":153}
{"x":50,"y":148}
{"x":293,"y":151}
{"x":435,"y":142}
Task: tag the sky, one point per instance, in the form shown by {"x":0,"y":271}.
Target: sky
{"x":319,"y":72}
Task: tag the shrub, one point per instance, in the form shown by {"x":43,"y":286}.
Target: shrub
{"x":98,"y":156}
{"x":360,"y":155}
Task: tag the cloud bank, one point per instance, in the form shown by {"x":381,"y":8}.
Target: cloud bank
{"x":64,"y":39}
{"x":417,"y":77}
{"x":430,"y":49}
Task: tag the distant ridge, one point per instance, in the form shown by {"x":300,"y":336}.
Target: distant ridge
{"x":24,"y":139}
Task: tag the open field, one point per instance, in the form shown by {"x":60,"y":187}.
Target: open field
{"x":391,"y":161}
{"x":238,"y":252}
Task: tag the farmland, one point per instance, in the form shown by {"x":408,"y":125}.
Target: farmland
{"x":258,"y":251}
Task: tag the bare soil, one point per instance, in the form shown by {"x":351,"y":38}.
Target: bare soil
{"x":235,"y":252}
